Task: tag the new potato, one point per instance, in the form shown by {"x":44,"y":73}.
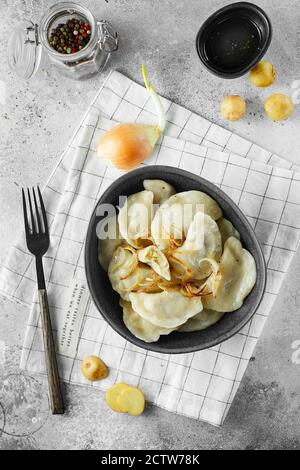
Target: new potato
{"x":279,"y":107}
{"x":112,"y":395}
{"x":233,"y":108}
{"x":263,"y":74}
{"x":132,"y":401}
{"x":124,"y":398}
{"x":93,"y":368}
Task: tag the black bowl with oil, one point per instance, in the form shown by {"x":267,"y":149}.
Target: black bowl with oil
{"x":235,"y":38}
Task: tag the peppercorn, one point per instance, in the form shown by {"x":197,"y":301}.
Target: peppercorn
{"x":70,"y":37}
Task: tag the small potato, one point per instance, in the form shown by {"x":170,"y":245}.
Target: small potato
{"x":233,"y":108}
{"x":132,"y":401}
{"x":263,"y":74}
{"x":93,"y":368}
{"x":112,"y":395}
{"x":279,"y":107}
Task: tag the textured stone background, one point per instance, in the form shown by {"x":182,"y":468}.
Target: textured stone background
{"x":36,"y":122}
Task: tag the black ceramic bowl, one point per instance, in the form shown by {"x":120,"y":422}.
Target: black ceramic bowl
{"x":235,"y":38}
{"x":107,"y":300}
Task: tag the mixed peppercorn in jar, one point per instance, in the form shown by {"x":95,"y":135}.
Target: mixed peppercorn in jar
{"x":70,"y":37}
{"x":77,"y":43}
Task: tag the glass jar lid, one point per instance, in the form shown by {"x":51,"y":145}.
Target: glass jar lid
{"x":109,"y":40}
{"x":25,"y":50}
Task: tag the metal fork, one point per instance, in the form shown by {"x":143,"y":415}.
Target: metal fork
{"x":37,"y":238}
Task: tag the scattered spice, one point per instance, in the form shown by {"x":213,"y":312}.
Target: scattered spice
{"x":70,"y":37}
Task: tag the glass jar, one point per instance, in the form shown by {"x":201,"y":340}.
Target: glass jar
{"x":29,"y":40}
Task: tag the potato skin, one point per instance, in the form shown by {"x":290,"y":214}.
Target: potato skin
{"x":279,"y":107}
{"x":93,"y":368}
{"x":233,"y":107}
{"x":263,"y":74}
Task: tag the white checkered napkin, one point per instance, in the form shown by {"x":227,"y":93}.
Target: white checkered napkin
{"x":200,"y":385}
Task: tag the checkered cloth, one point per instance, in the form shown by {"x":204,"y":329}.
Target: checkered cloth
{"x":201,"y":385}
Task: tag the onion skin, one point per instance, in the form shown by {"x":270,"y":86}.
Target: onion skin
{"x":127,"y":145}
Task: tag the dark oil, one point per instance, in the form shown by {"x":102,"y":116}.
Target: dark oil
{"x":233,"y":43}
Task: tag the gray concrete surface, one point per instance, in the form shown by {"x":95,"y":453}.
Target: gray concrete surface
{"x":36,"y":122}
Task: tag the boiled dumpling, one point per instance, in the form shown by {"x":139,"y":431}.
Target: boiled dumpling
{"x":203,"y":241}
{"x":227,"y":230}
{"x":203,"y":236}
{"x":189,"y":273}
{"x":126,"y":275}
{"x":140,"y":327}
{"x":161,"y":190}
{"x":135,"y":218}
{"x":182,"y":269}
{"x":201,"y":321}
{"x":167,"y":309}
{"x":173,"y":218}
{"x":122,"y":271}
{"x":235,"y":280}
{"x":107,"y":246}
{"x":155,"y":258}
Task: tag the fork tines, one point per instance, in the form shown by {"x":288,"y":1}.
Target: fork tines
{"x":37,"y":222}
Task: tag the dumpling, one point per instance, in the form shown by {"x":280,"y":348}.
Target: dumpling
{"x":107,"y":246}
{"x":135,"y":218}
{"x":173,"y":218}
{"x":203,"y":241}
{"x":235,"y":280}
{"x":201,"y":321}
{"x":155,"y":258}
{"x":227,"y":230}
{"x":126,"y":275}
{"x":167,"y":309}
{"x":140,"y":327}
{"x":182,"y":269}
{"x":161,"y":190}
{"x":122,"y":271}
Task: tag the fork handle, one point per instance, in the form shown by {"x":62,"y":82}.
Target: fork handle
{"x":57,"y":405}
